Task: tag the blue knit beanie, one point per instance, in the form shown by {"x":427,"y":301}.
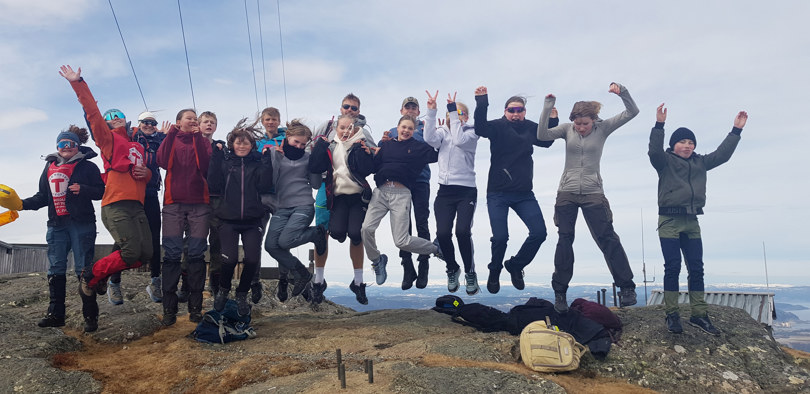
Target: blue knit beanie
{"x":66,"y":135}
{"x":680,"y":134}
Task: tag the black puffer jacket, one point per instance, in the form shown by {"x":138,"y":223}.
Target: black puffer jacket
{"x":240,"y":181}
{"x":80,"y":206}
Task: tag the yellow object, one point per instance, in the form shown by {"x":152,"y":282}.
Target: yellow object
{"x":9,"y":199}
{"x":544,"y":349}
{"x":8,"y":217}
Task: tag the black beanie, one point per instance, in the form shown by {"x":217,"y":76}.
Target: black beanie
{"x":682,"y":133}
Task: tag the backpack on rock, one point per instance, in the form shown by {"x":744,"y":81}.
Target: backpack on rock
{"x":543,"y":348}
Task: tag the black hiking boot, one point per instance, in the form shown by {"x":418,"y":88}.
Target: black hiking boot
{"x":627,"y":297}
{"x":516,"y":274}
{"x":408,"y":273}
{"x":283,"y":288}
{"x":301,"y":283}
{"x":359,"y":292}
{"x":242,"y":305}
{"x":52,"y":321}
{"x":494,"y":281}
{"x":422,"y":275}
{"x":704,"y":324}
{"x":255,"y":292}
{"x":220,"y":299}
{"x":674,"y":323}
{"x":91,"y":324}
{"x":317,"y":292}
{"x":560,"y":303}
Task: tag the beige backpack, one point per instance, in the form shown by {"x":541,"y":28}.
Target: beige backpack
{"x":545,"y":349}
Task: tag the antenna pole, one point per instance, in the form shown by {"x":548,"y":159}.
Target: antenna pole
{"x":765,"y":260}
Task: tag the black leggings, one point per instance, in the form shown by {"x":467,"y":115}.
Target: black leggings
{"x":346,"y":218}
{"x":229,"y":233}
{"x":455,"y":202}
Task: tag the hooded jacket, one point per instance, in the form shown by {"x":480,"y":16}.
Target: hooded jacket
{"x":240,"y":181}
{"x":456,"y":145}
{"x":185,"y":157}
{"x":151,"y":144}
{"x":359,"y":164}
{"x":79,"y":206}
{"x":682,"y":182}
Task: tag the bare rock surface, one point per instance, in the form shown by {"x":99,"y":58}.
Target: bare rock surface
{"x":413,"y":351}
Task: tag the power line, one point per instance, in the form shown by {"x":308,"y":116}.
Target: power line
{"x":250,"y":44}
{"x":128,"y":57}
{"x":185,"y":47}
{"x":261,"y":44}
{"x":283,"y":73}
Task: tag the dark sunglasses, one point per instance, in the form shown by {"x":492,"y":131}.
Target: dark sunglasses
{"x":66,"y":144}
{"x":114,"y":115}
{"x":353,"y":107}
{"x":515,"y":110}
{"x":150,"y":122}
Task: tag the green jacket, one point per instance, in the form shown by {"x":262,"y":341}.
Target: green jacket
{"x":682,"y":182}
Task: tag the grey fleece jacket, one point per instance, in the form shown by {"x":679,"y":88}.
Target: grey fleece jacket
{"x":584,"y":153}
{"x":293,"y":182}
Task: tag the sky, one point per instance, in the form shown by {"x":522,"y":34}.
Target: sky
{"x":705,"y":60}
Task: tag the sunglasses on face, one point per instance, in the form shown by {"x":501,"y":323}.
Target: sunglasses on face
{"x":515,"y":110}
{"x":352,"y":107}
{"x":114,"y":115}
{"x":66,"y":144}
{"x":150,"y":122}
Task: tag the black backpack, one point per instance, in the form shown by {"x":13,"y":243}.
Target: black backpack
{"x":224,"y":327}
{"x":448,"y":304}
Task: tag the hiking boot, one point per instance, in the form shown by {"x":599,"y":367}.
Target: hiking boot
{"x":516,"y":274}
{"x":301,"y":283}
{"x":704,"y":324}
{"x":452,"y":280}
{"x":195,"y":317}
{"x":256,"y":292}
{"x":674,"y":323}
{"x":114,"y":296}
{"x":242,"y":305}
{"x":494,"y":281}
{"x":155,"y":289}
{"x":472,"y":283}
{"x":320,"y":240}
{"x":84,"y":288}
{"x":379,"y":269}
{"x":560,"y":303}
{"x":439,"y":255}
{"x":422,"y":274}
{"x":307,"y":293}
{"x":90,"y":324}
{"x":221,"y":299}
{"x":359,"y":292}
{"x":168,"y":319}
{"x":408,"y":273}
{"x":101,"y":287}
{"x":52,"y":321}
{"x":283,"y":287}
{"x":317,"y":292}
{"x":182,"y":296}
{"x":627,"y":297}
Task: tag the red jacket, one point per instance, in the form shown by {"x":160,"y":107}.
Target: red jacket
{"x":185,"y":157}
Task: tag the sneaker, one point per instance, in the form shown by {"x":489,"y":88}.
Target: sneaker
{"x":84,"y":288}
{"x":409,"y":273}
{"x":627,"y":297}
{"x":422,"y":274}
{"x":359,"y":292}
{"x":220,"y":299}
{"x":182,"y":296}
{"x":320,"y":240}
{"x":560,"y":303}
{"x":439,"y":255}
{"x":168,"y":319}
{"x":516,"y":274}
{"x":302,"y":283}
{"x":52,"y":321}
{"x":256,"y":292}
{"x":195,"y":317}
{"x":494,"y":281}
{"x":90,"y":324}
{"x":674,"y":323}
{"x":317,"y":292}
{"x":283,"y":287}
{"x":242,"y":305}
{"x":155,"y":290}
{"x":114,"y":296}
{"x":472,"y":283}
{"x":452,"y":280}
{"x":379,"y":269}
{"x":704,"y":324}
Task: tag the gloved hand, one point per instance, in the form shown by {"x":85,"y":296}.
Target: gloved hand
{"x":8,"y":217}
{"x":9,"y":199}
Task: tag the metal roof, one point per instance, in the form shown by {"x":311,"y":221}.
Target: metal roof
{"x":759,"y":305}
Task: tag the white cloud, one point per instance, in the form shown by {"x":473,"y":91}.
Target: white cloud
{"x":39,"y":13}
{"x":17,"y":118}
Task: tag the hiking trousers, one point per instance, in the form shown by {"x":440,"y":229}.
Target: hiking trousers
{"x":681,"y":235}
{"x":599,"y":218}
{"x":251,"y":234}
{"x":455,"y":202}
{"x":290,"y":228}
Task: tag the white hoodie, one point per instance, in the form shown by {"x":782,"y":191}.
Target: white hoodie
{"x":456,"y":146}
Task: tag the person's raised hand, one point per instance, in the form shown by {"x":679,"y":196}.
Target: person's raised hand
{"x":386,"y":136}
{"x":451,"y":99}
{"x":740,"y":119}
{"x":554,"y":113}
{"x":614,"y":88}
{"x":661,"y":114}
{"x":67,"y":72}
{"x":431,"y":101}
{"x":164,"y":128}
{"x":219,"y":145}
{"x":481,"y":90}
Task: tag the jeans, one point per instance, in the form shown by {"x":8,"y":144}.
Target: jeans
{"x":289,"y":228}
{"x":528,"y":210}
{"x":79,"y":237}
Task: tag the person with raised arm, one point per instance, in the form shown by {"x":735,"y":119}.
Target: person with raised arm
{"x":126,"y":177}
{"x":457,"y":196}
{"x":581,"y":188}
{"x":681,"y":197}
{"x":512,"y":139}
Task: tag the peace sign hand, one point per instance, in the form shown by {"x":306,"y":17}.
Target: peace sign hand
{"x":431,"y":102}
{"x":453,"y":99}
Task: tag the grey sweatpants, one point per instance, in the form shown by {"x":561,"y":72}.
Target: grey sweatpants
{"x":396,"y":200}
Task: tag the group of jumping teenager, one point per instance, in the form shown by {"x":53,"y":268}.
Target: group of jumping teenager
{"x":258,"y":184}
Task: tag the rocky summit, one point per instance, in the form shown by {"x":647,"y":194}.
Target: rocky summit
{"x":413,"y":351}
